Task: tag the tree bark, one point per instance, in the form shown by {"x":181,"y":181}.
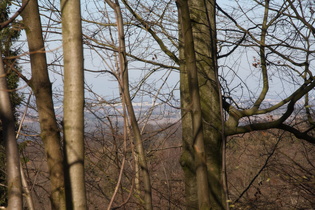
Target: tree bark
{"x":194,"y":107}
{"x":14,"y":183}
{"x":202,"y":15}
{"x":42,"y":89}
{"x":73,"y":104}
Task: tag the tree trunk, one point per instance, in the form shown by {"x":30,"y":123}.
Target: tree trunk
{"x":186,"y":159}
{"x":14,"y":183}
{"x":124,"y":84}
{"x":41,"y":86}
{"x":202,"y":14}
{"x":73,"y":104}
{"x":194,"y":107}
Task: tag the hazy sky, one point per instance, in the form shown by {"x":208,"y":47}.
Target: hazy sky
{"x":105,"y":85}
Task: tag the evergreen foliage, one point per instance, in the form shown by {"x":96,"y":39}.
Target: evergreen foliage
{"x":7,"y":37}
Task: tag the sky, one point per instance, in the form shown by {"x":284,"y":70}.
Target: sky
{"x":105,"y":86}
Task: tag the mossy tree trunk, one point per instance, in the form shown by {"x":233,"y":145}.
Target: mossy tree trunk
{"x":8,"y":35}
{"x":14,"y":183}
{"x":202,"y":18}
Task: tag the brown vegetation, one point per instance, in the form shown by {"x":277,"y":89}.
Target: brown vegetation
{"x":265,"y":170}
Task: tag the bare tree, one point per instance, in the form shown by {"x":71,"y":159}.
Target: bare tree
{"x":41,"y":85}
{"x":194,"y":106}
{"x":73,"y":104}
{"x":278,"y":38}
{"x":124,"y":87}
{"x":203,"y":41}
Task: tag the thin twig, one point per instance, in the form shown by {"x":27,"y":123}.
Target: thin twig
{"x":261,"y":169}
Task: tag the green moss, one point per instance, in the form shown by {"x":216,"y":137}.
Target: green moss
{"x":7,"y":37}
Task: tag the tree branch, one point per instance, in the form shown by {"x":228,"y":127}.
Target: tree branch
{"x":5,"y":23}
